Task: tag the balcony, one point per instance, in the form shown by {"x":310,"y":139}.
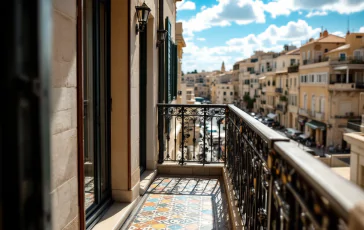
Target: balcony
{"x":279,"y":90}
{"x":316,"y":60}
{"x":354,"y":125}
{"x":343,"y":86}
{"x":303,"y":112}
{"x":266,"y":180}
{"x":293,"y":69}
{"x":320,"y":116}
{"x":347,"y":60}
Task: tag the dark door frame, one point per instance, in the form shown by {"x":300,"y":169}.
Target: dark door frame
{"x":143,"y":40}
{"x":102,"y":201}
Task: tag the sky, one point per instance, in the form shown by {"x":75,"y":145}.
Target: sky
{"x":231,"y":30}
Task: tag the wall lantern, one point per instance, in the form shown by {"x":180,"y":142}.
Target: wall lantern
{"x":161,"y":36}
{"x":142,"y":16}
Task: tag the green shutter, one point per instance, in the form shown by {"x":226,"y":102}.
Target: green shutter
{"x":175,"y":57}
{"x":168,"y":50}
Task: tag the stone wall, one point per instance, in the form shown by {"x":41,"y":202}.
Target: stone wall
{"x":64,"y":181}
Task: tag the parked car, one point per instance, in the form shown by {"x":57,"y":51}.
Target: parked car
{"x":257,"y":116}
{"x":292,"y":133}
{"x":268,"y":121}
{"x":306,"y":140}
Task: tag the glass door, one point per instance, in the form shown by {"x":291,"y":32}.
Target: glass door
{"x":96,"y":109}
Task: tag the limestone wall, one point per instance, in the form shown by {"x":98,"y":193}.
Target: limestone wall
{"x":64,"y":182}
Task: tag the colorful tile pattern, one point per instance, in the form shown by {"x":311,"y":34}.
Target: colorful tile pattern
{"x":89,"y":191}
{"x":183,"y":203}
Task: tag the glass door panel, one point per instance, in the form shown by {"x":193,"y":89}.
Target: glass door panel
{"x":89,"y":158}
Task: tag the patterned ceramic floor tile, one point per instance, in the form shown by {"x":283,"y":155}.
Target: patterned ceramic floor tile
{"x":183,"y":203}
{"x":89,"y":191}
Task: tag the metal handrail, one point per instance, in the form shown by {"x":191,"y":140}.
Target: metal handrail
{"x":321,"y":179}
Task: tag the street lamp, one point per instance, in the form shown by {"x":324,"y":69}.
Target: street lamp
{"x":142,"y":16}
{"x":161,"y":36}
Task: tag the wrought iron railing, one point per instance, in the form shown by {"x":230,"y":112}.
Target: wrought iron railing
{"x":191,"y":133}
{"x":276,"y":184}
{"x":354,"y":125}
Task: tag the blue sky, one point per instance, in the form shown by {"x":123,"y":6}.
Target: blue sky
{"x":230,"y":30}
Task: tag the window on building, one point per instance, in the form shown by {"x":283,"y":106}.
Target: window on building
{"x":231,"y":93}
{"x":342,"y":56}
{"x":313,"y":103}
{"x":322,"y":105}
{"x":303,"y":56}
{"x":290,"y":82}
{"x":295,"y":82}
{"x":292,"y":61}
{"x":308,"y":55}
{"x":305,"y":101}
{"x":224,"y":93}
{"x":326,"y":50}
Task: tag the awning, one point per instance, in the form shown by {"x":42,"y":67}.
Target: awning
{"x":316,"y":125}
{"x":271,"y":115}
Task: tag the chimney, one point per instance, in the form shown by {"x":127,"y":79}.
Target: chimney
{"x":320,"y":34}
{"x":325,"y":34}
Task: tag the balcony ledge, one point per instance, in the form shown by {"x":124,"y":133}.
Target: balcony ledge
{"x":196,"y":169}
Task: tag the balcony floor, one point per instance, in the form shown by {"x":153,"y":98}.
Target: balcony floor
{"x":183,"y":203}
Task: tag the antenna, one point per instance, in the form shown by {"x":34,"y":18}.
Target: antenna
{"x":348,"y":24}
{"x":322,"y":28}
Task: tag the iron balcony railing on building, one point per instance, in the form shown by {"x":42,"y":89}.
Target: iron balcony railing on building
{"x":276,"y":184}
{"x":316,"y":60}
{"x":293,"y":69}
{"x":347,"y":60}
{"x":354,"y":125}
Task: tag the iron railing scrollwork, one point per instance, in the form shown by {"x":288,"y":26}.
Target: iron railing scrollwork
{"x":198,"y":132}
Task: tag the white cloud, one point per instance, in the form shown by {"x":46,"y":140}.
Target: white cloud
{"x":224,"y":13}
{"x":339,"y":33}
{"x":361,"y":29}
{"x":201,"y":39}
{"x":272,"y":39}
{"x":285,"y":7}
{"x":340,"y":6}
{"x":316,"y":13}
{"x":242,"y":12}
{"x":186,"y":5}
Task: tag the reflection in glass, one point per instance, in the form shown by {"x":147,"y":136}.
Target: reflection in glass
{"x":88,"y":107}
{"x":103,"y":100}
